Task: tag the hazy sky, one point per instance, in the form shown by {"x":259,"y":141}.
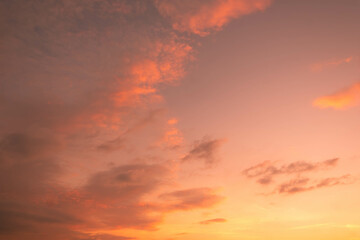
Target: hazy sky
{"x":179,"y":119}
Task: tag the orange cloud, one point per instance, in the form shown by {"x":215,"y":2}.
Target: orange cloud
{"x":202,"y":17}
{"x":172,"y":121}
{"x":317,"y":67}
{"x":344,"y":99}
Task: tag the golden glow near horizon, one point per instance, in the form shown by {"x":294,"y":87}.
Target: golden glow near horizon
{"x":180,"y":120}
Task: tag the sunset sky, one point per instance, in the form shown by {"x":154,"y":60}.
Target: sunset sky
{"x":179,"y":119}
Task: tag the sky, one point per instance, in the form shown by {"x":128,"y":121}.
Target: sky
{"x":179,"y":119}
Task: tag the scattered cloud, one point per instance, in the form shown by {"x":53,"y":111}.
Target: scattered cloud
{"x":215,"y":220}
{"x":344,"y":99}
{"x":266,"y":172}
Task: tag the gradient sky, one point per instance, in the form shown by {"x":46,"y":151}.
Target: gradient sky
{"x":179,"y":119}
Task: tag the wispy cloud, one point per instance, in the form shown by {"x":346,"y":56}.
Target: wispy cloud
{"x":344,"y":99}
{"x":317,"y":67}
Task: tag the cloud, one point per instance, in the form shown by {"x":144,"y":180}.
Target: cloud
{"x":201,"y":17}
{"x":127,"y":183}
{"x":215,"y":220}
{"x":119,"y":142}
{"x":191,"y":199}
{"x":172,"y":121}
{"x":266,"y":171}
{"x":173,"y":137}
{"x":118,"y":197}
{"x":109,"y":237}
{"x":89,"y":78}
{"x":298,"y":185}
{"x":112,"y":145}
{"x":79,"y":68}
{"x":344,"y":99}
{"x":317,"y":67}
{"x":111,"y":199}
{"x":27,"y":164}
{"x":205,"y":150}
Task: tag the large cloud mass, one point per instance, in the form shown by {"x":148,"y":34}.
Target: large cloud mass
{"x":79,"y":83}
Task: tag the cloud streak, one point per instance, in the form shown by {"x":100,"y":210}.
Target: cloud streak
{"x":211,"y":221}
